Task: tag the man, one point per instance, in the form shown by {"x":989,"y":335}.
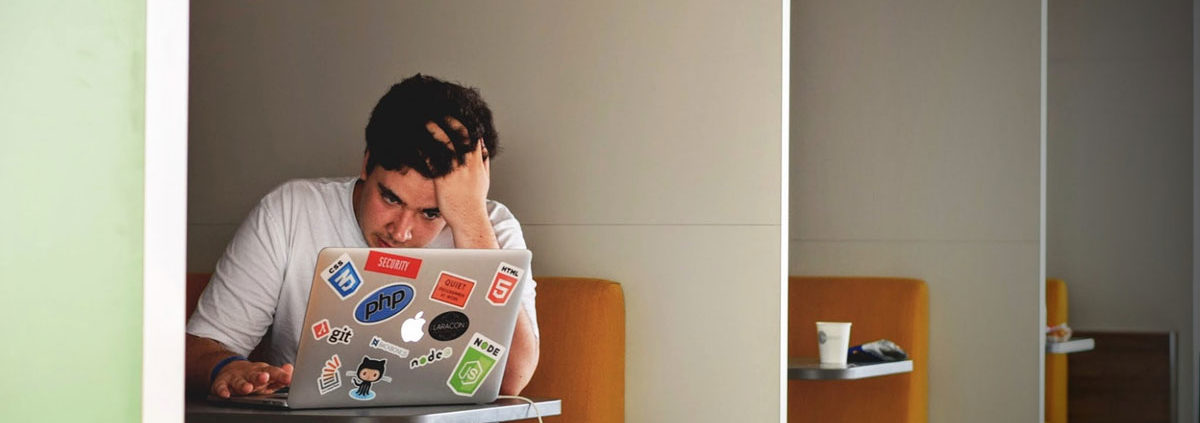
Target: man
{"x":424,"y":183}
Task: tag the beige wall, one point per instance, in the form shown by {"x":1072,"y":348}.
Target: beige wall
{"x":1119,"y":152}
{"x":915,"y":151}
{"x":641,"y":143}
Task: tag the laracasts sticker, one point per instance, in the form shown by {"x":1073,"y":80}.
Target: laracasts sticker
{"x":383,"y":304}
{"x":379,"y":343}
{"x":341,"y":335}
{"x":342,"y":277}
{"x":405,"y":267}
{"x":321,"y":329}
{"x":449,"y":326}
{"x":503,"y":284}
{"x":474,"y":366}
{"x":433,"y":356}
{"x":452,"y":289}
{"x":369,"y":371}
{"x":330,"y":379}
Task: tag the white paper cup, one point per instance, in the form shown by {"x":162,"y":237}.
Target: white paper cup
{"x":833,"y":341}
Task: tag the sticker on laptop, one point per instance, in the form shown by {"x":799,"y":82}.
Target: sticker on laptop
{"x":379,"y":343}
{"x":369,"y":372}
{"x":412,"y":329}
{"x":452,"y":289}
{"x":340,"y":335}
{"x":330,"y":379}
{"x":474,"y":365}
{"x":321,"y":329}
{"x":449,"y":326}
{"x":383,"y":304}
{"x":405,"y":267}
{"x":434,"y":356}
{"x":504,"y":283}
{"x":342,"y":277}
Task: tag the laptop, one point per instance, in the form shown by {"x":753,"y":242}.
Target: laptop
{"x":397,"y":326}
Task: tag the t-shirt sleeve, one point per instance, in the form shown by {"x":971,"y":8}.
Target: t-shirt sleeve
{"x":238,"y":305}
{"x":509,"y":236}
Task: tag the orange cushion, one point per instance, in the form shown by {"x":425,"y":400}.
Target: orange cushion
{"x":1056,"y":364}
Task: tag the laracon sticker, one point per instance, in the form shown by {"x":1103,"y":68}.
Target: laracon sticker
{"x":405,"y":267}
{"x":474,"y":366}
{"x":369,"y":371}
{"x":330,"y":379}
{"x":383,"y":304}
{"x":452,"y":289}
{"x":504,"y":283}
{"x":321,"y":329}
{"x":449,"y":326}
{"x":341,"y":335}
{"x":342,"y":277}
{"x":433,"y":356}
{"x":379,"y":343}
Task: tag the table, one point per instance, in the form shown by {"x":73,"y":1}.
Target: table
{"x":807,"y":368}
{"x":200,"y":411}
{"x":1071,"y":346}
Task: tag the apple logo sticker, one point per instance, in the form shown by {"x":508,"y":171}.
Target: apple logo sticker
{"x":411,"y":330}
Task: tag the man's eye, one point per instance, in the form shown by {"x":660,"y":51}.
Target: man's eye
{"x":390,"y":199}
{"x":431,"y":215}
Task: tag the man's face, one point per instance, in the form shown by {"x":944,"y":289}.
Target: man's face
{"x":397,"y":209}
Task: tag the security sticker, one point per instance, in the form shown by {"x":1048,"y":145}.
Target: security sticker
{"x":474,"y":366}
{"x":449,"y":326}
{"x":340,"y":335}
{"x":503,"y":284}
{"x":370,"y":371}
{"x":452,"y":289}
{"x":330,"y":379}
{"x":379,"y":343}
{"x":321,"y":329}
{"x":405,"y":267}
{"x":342,"y":277}
{"x":434,"y":355}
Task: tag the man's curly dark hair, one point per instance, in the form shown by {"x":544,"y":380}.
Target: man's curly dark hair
{"x":396,"y":135}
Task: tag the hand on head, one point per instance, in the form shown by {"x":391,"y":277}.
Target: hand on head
{"x":462,"y":193}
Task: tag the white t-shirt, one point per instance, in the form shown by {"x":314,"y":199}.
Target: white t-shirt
{"x":262,"y":280}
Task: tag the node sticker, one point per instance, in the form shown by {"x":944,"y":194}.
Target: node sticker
{"x":370,"y":371}
{"x":452,"y":289}
{"x":343,"y":279}
{"x":383,"y":304}
{"x":474,"y":366}
{"x":405,"y":267}
{"x":340,"y":335}
{"x":449,"y":326}
{"x":330,"y":379}
{"x":433,"y":356}
{"x":321,"y":329}
{"x":503,"y":284}
{"x":379,"y":343}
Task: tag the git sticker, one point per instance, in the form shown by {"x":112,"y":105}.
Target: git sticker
{"x":452,"y":289}
{"x":405,"y":267}
{"x":504,"y":283}
{"x":342,"y":277}
{"x":474,"y":365}
{"x":321,"y":329}
{"x":330,"y":379}
{"x":341,"y":335}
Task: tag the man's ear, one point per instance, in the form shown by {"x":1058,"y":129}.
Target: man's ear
{"x":363,"y":174}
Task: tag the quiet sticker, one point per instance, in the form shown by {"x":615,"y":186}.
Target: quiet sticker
{"x":405,"y":267}
{"x":379,"y":343}
{"x":330,"y":379}
{"x":343,"y":279}
{"x":504,"y":283}
{"x":474,"y":365}
{"x":452,"y":289}
{"x":321,"y":329}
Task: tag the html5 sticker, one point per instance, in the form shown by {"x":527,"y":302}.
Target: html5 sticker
{"x":504,"y":283}
{"x":452,"y":289}
{"x":405,"y":267}
{"x":321,"y":329}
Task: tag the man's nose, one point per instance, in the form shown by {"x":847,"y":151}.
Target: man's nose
{"x":401,"y":230}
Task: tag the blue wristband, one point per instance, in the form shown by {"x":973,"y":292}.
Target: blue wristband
{"x":213,"y":377}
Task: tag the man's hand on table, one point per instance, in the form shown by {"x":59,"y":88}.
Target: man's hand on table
{"x":246,"y":377}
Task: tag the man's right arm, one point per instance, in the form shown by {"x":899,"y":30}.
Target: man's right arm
{"x":238,"y":377}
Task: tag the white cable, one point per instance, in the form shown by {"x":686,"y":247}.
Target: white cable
{"x":518,"y":397}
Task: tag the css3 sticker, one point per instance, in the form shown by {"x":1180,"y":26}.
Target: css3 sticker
{"x":383,"y":304}
{"x":342,"y":277}
{"x":474,"y":366}
{"x":330,"y":379}
{"x":503,"y":284}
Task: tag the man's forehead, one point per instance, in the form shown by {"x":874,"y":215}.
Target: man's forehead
{"x":415,"y":189}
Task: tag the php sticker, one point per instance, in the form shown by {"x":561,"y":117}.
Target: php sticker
{"x":452,"y":289}
{"x":342,"y":277}
{"x":321,"y":329}
{"x":405,"y":267}
{"x":449,"y":326}
{"x":330,"y":379}
{"x":379,"y":343}
{"x":370,"y":371}
{"x":503,"y":284}
{"x":434,"y":355}
{"x":474,"y":365}
{"x":340,"y":335}
{"x":383,"y":304}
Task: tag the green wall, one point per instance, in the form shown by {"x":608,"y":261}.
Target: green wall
{"x":72,"y":82}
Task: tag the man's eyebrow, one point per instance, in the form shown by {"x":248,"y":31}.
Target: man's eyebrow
{"x":388,"y":193}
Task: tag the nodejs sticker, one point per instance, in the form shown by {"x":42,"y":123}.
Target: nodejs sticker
{"x":434,"y":355}
{"x":342,"y":277}
{"x":405,"y":267}
{"x":383,"y":304}
{"x":474,"y":365}
{"x":321,"y":329}
{"x":379,"y":343}
{"x":340,"y":335}
{"x":330,"y":379}
{"x":504,"y":283}
{"x":452,"y":289}
{"x":449,"y":326}
{"x":370,"y":371}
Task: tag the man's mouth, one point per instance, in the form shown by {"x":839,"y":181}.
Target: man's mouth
{"x":379,"y":240}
